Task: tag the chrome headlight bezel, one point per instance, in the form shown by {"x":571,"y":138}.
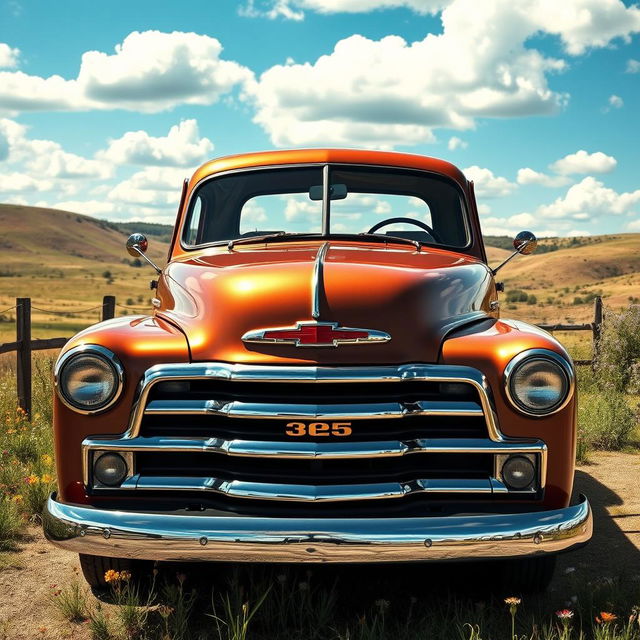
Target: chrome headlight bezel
{"x":564,"y":367}
{"x":101,"y":353}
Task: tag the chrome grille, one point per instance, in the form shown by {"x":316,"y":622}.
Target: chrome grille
{"x":219,"y":430}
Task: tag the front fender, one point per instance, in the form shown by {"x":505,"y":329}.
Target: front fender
{"x":138,"y":342}
{"x":489,"y":347}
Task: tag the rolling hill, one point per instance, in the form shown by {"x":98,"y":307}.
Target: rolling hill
{"x":66,"y":262}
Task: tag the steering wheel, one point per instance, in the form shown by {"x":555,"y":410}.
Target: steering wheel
{"x":418,"y":223}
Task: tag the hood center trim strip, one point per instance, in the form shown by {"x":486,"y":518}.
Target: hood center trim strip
{"x":317,"y":280}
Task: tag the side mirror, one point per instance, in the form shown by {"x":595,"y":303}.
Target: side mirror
{"x":137,"y":245}
{"x":524,"y":243}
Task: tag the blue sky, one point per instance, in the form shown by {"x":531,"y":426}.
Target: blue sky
{"x":105,"y":107}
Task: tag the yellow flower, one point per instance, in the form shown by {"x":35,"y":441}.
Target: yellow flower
{"x":17,"y":498}
{"x":46,"y":478}
{"x":125,"y":576}
{"x":47,"y":459}
{"x":112,"y":576}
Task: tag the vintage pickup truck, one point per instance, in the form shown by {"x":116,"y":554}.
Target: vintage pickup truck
{"x":325,"y":377}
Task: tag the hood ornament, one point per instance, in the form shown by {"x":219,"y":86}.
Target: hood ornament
{"x":316,"y":334}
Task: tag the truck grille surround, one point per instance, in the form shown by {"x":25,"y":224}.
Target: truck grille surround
{"x":213,"y":435}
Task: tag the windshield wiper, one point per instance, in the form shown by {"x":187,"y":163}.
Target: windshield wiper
{"x":398,"y":239}
{"x":281,"y":235}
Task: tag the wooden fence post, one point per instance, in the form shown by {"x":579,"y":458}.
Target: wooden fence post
{"x":23,"y":340}
{"x":598,"y":314}
{"x":108,"y":307}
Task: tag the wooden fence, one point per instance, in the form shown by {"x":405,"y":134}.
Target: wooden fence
{"x":24,"y":345}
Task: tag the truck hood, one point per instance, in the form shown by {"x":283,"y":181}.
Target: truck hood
{"x":217,"y":296}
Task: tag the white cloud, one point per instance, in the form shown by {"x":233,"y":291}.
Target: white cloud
{"x":591,"y":200}
{"x":511,"y":225}
{"x":150,"y":71}
{"x":529,"y":176}
{"x":181,"y":147}
{"x":95,"y":208}
{"x":456,"y":143}
{"x":486,"y":184}
{"x":45,"y":158}
{"x":584,"y":162}
{"x":634,"y":225}
{"x":633,"y":66}
{"x":8,"y":56}
{"x":388,"y":92}
{"x":155,"y":187}
{"x":294,"y":9}
{"x":20,"y":182}
{"x":616,"y":102}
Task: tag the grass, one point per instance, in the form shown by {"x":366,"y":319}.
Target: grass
{"x":298,"y":604}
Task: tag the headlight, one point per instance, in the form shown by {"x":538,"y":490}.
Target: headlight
{"x":89,"y":378}
{"x":539,"y":382}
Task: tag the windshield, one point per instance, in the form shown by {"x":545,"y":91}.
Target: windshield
{"x":414,"y":205}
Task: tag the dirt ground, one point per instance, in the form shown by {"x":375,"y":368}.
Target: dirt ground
{"x":611,"y":481}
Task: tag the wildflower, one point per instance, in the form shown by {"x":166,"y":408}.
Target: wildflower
{"x":513,"y":603}
{"x":10,"y":431}
{"x":564,"y":614}
{"x":47,"y":459}
{"x":282,"y":578}
{"x":32,"y":479}
{"x":17,"y":498}
{"x":125,"y":576}
{"x":303,"y":586}
{"x":46,"y":478}
{"x":112,"y":576}
{"x":606,"y":617}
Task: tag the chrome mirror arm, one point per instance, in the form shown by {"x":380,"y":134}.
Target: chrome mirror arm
{"x":137,"y":244}
{"x":525,"y":243}
{"x":136,"y":248}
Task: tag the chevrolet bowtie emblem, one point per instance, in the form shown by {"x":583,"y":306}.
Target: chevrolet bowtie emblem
{"x":316,"y":334}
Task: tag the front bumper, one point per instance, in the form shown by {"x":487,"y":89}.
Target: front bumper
{"x":162,"y":536}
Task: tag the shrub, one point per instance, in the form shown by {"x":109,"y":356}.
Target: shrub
{"x":532,"y":299}
{"x":618,"y":349}
{"x":517,"y":295}
{"x":605,"y":421}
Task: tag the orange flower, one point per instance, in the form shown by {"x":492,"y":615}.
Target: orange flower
{"x":32,"y":479}
{"x":606,"y":617}
{"x":112,"y":576}
{"x":512,"y":600}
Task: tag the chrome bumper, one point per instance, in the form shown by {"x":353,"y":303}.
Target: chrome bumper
{"x":158,"y":536}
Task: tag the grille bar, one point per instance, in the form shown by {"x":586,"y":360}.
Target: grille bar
{"x":325,"y":450}
{"x":313,"y":375}
{"x":255,"y":410}
{"x":314,"y":493}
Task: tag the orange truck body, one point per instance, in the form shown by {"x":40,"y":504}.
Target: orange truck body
{"x":440,"y":308}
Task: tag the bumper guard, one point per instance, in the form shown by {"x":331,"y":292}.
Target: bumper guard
{"x":177,"y":537}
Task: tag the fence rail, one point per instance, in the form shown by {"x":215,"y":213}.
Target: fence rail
{"x":24,"y":345}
